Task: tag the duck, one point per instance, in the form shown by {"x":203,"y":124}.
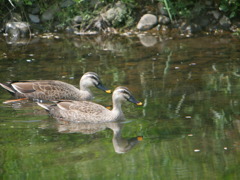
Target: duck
{"x":90,"y":112}
{"x":53,"y":90}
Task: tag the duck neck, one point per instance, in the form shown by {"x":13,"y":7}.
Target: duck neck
{"x":117,"y":107}
{"x":85,"y":90}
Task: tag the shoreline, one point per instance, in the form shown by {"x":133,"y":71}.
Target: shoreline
{"x":115,"y":18}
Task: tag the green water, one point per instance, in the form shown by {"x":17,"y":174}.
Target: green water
{"x":190,"y":121}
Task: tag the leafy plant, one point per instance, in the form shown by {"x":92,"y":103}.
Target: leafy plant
{"x":231,"y":7}
{"x":237,"y":33}
{"x":168,"y":9}
{"x":179,"y":8}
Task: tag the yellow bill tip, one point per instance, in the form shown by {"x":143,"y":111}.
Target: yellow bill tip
{"x":139,"y":138}
{"x":109,"y":107}
{"x":139,"y":103}
{"x":108,"y":91}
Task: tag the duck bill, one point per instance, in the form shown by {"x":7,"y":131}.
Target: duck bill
{"x":100,"y":86}
{"x":133,"y":100}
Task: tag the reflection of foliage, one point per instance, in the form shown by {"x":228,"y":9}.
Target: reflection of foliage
{"x":219,"y":119}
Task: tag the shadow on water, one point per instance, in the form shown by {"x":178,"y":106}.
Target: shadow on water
{"x":189,"y":121}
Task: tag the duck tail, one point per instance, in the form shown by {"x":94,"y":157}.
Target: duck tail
{"x":7,"y":87}
{"x":45,"y":106}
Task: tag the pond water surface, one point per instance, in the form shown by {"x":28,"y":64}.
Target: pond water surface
{"x":190,"y":120}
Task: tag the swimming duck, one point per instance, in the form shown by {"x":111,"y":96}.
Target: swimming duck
{"x":85,"y":111}
{"x":55,"y":90}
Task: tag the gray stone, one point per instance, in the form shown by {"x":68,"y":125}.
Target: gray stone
{"x":70,"y":29}
{"x":190,"y":28}
{"x":147,"y":40}
{"x":193,"y":28}
{"x":17,"y":29}
{"x":66,"y":3}
{"x":49,"y":13}
{"x":162,"y":9}
{"x":147,"y":22}
{"x":203,"y":21}
{"x":208,"y":3}
{"x":16,"y":17}
{"x":216,"y":14}
{"x":163,"y":20}
{"x":34,"y":18}
{"x":117,"y":14}
{"x":225,"y":22}
{"x":77,"y":19}
{"x":212,"y":28}
{"x":96,"y":4}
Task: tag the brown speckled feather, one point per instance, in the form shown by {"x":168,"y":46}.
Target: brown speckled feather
{"x":48,"y":89}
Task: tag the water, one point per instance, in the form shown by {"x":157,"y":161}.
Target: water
{"x":190,"y":122}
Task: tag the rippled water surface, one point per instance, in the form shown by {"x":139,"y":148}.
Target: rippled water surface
{"x":190,"y":120}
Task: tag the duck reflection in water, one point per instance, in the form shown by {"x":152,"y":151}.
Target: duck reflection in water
{"x":120,"y":144}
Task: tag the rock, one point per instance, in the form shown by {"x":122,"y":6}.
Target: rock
{"x":163,"y":20}
{"x":96,"y":4}
{"x":190,"y":28}
{"x":235,"y":26}
{"x":162,"y":9}
{"x":117,"y":14}
{"x":212,"y":28}
{"x":16,"y":17}
{"x":147,"y":22}
{"x":49,"y":13}
{"x":208,"y":3}
{"x":97,"y":24}
{"x":164,"y":29}
{"x":17,"y":29}
{"x":66,"y":3}
{"x":216,"y":14}
{"x":34,"y":18}
{"x":193,"y":28}
{"x":77,"y":19}
{"x":202,"y":21}
{"x":70,"y":29}
{"x":225,"y":22}
{"x":147,"y":40}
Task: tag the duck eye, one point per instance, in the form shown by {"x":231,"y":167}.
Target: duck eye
{"x":95,"y":79}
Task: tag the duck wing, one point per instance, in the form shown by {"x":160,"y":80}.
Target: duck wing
{"x":41,"y":86}
{"x":82,"y":107}
{"x":23,"y":87}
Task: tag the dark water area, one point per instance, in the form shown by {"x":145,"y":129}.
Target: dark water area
{"x":190,"y":118}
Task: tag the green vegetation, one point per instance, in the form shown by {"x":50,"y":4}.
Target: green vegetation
{"x":237,"y":33}
{"x":231,"y":7}
{"x":90,"y":10}
{"x":185,"y":8}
